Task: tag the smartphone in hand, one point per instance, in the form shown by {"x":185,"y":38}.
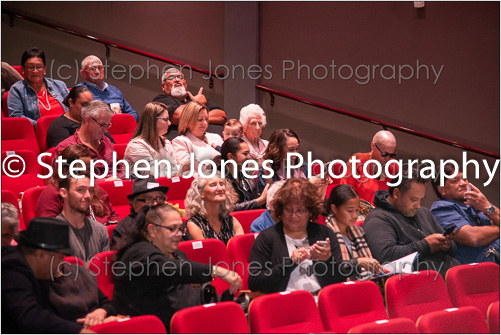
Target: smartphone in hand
{"x":449,"y":230}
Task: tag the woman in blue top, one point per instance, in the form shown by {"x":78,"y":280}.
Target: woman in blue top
{"x":36,"y":96}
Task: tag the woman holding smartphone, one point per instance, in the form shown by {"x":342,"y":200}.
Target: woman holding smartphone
{"x":296,"y":253}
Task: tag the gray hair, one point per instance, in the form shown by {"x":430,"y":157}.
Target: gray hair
{"x":94,"y":107}
{"x":89,"y":59}
{"x":249,"y":110}
{"x":272,"y":191}
{"x":10,"y":215}
{"x":195,"y":204}
{"x":168,"y":71}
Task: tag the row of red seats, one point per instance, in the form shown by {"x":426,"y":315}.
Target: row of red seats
{"x":18,"y":133}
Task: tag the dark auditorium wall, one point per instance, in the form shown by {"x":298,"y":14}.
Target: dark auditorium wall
{"x":463,"y":37}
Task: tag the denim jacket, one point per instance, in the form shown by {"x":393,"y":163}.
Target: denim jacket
{"x":23,"y":100}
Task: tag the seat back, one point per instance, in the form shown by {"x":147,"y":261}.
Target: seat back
{"x":20,"y":161}
{"x":74,"y":260}
{"x":29,"y":202}
{"x":18,"y":134}
{"x":247,"y":217}
{"x":177,"y":189}
{"x":5,"y":107}
{"x":118,"y":190}
{"x":110,"y":229}
{"x":209,"y":251}
{"x":101,"y":266}
{"x":462,"y":320}
{"x":239,"y":248}
{"x":493,"y":317}
{"x":48,"y":160}
{"x":392,"y":326}
{"x":341,"y":308}
{"x":412,"y":295}
{"x":473,"y":285}
{"x":144,"y":324}
{"x":223,"y":317}
{"x":122,"y":127}
{"x":285,"y":312}
{"x":41,"y":127}
{"x":10,"y":197}
{"x":120,"y":149}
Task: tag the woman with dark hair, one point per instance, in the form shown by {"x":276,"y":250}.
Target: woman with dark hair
{"x":155,"y":275}
{"x":36,"y":96}
{"x":50,"y":204}
{"x":149,"y":145}
{"x":296,"y":253}
{"x":343,"y":207}
{"x":235,"y":151}
{"x":66,"y":125}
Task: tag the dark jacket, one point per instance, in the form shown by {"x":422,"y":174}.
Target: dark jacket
{"x":270,"y":265}
{"x":391,"y":235}
{"x":25,"y":299}
{"x":149,"y":282}
{"x":247,"y":192}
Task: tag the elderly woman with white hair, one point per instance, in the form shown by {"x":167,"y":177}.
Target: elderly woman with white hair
{"x":209,"y":202}
{"x":253,"y":120}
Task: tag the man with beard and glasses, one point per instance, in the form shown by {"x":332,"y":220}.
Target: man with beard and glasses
{"x":87,"y":237}
{"x":176,"y":95}
{"x":399,"y":226}
{"x":475,"y":220}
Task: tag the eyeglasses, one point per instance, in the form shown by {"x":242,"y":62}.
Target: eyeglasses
{"x":299,"y":212}
{"x":172,"y":77}
{"x":103,"y":125}
{"x":95,"y":68}
{"x":385,"y":153}
{"x":165,"y":118}
{"x":33,"y":68}
{"x":150,"y":200}
{"x":173,"y":229}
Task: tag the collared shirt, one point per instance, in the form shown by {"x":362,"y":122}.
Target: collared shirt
{"x":449,"y":212}
{"x":104,"y":152}
{"x":110,"y":94}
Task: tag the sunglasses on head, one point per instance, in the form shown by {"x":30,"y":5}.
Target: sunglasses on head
{"x":385,"y":153}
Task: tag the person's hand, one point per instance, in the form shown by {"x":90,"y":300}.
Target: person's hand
{"x":447,"y":242}
{"x":262,"y":198}
{"x":319,"y":253}
{"x":199,"y":97}
{"x":231,"y":277}
{"x":476,"y":199}
{"x":369,"y":264}
{"x":111,"y":319}
{"x":93,"y":318}
{"x":300,"y":255}
{"x":436,"y":242}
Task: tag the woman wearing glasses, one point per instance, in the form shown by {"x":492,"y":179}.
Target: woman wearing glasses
{"x":296,"y":253}
{"x":209,"y":202}
{"x":157,"y":275}
{"x":36,"y":96}
{"x":149,"y":145}
{"x":194,"y":139}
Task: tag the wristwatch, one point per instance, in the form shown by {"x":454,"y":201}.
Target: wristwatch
{"x":491,"y":210}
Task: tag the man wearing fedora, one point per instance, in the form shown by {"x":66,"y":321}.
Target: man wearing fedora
{"x":26,"y":269}
{"x":87,"y":237}
{"x":144,"y":192}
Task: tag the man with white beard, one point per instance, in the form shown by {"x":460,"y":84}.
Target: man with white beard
{"x":176,"y":95}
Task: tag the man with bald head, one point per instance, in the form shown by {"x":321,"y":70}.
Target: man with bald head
{"x":93,"y":72}
{"x":383,"y":148}
{"x":176,"y":95}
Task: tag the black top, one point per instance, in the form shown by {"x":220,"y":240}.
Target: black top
{"x":246,"y":190}
{"x":150,"y":282}
{"x":75,"y":294}
{"x":25,"y":299}
{"x":62,"y":128}
{"x":173,"y":104}
{"x":270,"y":265}
{"x":225,"y":233}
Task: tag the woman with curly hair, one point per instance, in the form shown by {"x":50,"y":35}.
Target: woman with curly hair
{"x":209,"y":202}
{"x":296,"y":253}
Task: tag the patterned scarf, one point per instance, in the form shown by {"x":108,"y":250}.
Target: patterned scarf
{"x":359,"y":247}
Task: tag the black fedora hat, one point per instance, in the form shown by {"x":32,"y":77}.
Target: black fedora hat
{"x":149,"y":184}
{"x":48,"y":234}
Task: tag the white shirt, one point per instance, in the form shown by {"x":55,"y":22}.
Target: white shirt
{"x":299,"y":279}
{"x":184,"y":145}
{"x":138,"y":149}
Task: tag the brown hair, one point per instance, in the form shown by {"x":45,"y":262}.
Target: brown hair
{"x":234,"y":123}
{"x":147,"y":125}
{"x":298,"y":191}
{"x":189,"y":116}
{"x":276,"y":148}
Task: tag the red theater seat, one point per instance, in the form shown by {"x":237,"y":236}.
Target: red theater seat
{"x":101,"y":266}
{"x":42,"y":125}
{"x":144,"y":324}
{"x":462,"y":320}
{"x":239,"y":248}
{"x":18,"y":134}
{"x":247,"y":217}
{"x":122,"y":128}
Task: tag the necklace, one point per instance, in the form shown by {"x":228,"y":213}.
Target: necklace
{"x":44,"y":93}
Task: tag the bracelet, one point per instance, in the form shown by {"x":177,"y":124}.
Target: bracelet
{"x":214,"y":272}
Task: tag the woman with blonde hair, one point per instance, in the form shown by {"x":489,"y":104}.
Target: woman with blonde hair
{"x":149,"y":145}
{"x":209,"y":203}
{"x":194,"y":139}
